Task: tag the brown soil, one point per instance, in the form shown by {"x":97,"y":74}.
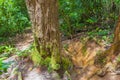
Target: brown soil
{"x":84,"y":64}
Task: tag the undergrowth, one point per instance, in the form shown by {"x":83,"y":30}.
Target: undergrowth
{"x":7,"y":51}
{"x":50,"y":61}
{"x":3,"y":65}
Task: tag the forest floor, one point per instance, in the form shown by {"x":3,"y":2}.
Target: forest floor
{"x":22,"y":68}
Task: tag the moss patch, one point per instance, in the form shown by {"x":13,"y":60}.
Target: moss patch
{"x":100,"y":59}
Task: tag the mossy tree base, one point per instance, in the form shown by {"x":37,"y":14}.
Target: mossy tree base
{"x":47,"y":43}
{"x":110,"y":54}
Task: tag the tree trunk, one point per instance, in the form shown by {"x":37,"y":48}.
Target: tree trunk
{"x":117,"y":31}
{"x":110,"y":54}
{"x":45,"y":26}
{"x":114,"y":50}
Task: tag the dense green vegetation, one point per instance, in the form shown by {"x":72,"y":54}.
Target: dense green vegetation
{"x":75,"y":16}
{"x":87,"y":15}
{"x":13,"y":17}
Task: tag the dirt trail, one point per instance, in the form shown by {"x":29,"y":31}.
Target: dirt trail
{"x":22,"y":42}
{"x":109,"y":76}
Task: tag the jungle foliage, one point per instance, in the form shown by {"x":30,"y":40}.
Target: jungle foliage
{"x":74,"y":16}
{"x":87,"y":15}
{"x":13,"y":17}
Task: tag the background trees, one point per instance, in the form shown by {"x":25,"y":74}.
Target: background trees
{"x":74,"y":16}
{"x":84,"y":15}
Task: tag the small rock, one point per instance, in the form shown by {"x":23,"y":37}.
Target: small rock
{"x":10,"y":59}
{"x":4,"y":76}
{"x":55,"y":76}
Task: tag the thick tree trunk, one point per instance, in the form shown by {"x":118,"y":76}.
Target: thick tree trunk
{"x":110,"y":54}
{"x":114,"y":50}
{"x":117,"y":31}
{"x":44,"y":18}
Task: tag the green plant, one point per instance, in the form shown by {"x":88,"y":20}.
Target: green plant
{"x":118,"y":59}
{"x":66,"y":63}
{"x":99,"y":32}
{"x":7,"y":51}
{"x":13,"y":17}
{"x":87,"y":15}
{"x":100,"y":58}
{"x":3,"y":65}
{"x":76,"y":15}
{"x":24,"y":53}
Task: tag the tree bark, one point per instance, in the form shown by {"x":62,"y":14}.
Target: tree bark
{"x":45,"y":26}
{"x":117,"y":31}
{"x":114,"y":50}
